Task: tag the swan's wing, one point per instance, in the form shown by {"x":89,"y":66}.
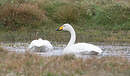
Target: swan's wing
{"x":32,"y":44}
{"x":46,"y":43}
{"x":40,"y":45}
{"x":88,"y":47}
{"x":83,"y":48}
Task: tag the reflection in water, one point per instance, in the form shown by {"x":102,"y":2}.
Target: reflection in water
{"x":109,"y":49}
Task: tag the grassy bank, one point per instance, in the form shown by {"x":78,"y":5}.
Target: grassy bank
{"x":54,"y":36}
{"x":99,"y":20}
{"x":13,"y":64}
{"x":83,"y":14}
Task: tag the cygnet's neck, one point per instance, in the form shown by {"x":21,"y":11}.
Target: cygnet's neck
{"x":73,"y":37}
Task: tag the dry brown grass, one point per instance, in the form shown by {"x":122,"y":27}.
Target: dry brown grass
{"x":14,"y":16}
{"x":84,"y":14}
{"x":33,"y":65}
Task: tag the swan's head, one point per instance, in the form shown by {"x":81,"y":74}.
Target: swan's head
{"x":65,"y":27}
{"x":40,"y":39}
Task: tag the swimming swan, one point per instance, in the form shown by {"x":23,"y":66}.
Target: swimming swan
{"x":72,"y":48}
{"x":40,"y":44}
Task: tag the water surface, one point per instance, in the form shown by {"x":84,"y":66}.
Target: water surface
{"x":120,"y":49}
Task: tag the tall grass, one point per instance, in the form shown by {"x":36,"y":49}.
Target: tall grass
{"x":13,"y":64}
{"x":19,"y":16}
{"x":84,"y":15}
{"x":109,"y":15}
{"x":63,"y":37}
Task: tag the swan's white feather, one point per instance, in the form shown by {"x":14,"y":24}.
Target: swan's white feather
{"x":41,"y":43}
{"x":81,"y":47}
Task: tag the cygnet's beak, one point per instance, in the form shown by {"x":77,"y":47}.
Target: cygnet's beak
{"x":60,"y":28}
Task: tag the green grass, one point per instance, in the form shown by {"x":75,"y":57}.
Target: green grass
{"x":89,"y":14}
{"x":33,"y":65}
{"x":99,"y":20}
{"x":62,"y":37}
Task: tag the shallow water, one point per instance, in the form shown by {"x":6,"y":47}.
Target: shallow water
{"x":120,"y":49}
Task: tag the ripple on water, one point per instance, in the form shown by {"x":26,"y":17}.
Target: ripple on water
{"x":109,"y":49}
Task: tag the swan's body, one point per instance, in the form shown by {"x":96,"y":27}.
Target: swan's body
{"x":72,"y":48}
{"x":83,"y":48}
{"x":44,"y":45}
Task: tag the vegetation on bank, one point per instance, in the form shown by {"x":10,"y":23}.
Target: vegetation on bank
{"x":83,"y":14}
{"x":26,"y":64}
{"x":30,"y":16}
{"x":63,"y":37}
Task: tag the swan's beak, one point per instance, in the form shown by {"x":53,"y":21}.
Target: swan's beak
{"x":60,"y":28}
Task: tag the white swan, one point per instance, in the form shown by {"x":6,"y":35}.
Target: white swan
{"x":72,"y":48}
{"x":40,"y":45}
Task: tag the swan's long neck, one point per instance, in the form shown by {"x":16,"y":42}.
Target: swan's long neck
{"x":73,"y":37}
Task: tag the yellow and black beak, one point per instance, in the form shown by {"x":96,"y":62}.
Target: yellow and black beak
{"x":60,"y":28}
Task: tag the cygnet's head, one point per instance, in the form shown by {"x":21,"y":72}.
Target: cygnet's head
{"x":65,"y":27}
